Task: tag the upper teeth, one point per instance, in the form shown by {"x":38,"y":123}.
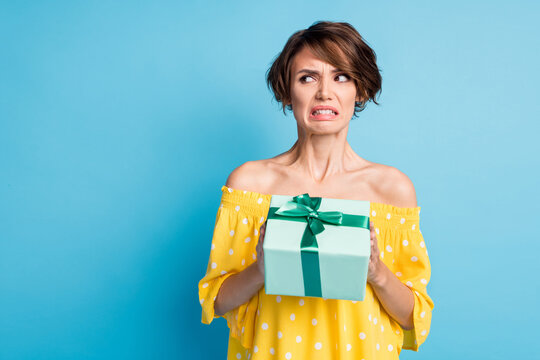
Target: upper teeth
{"x":325,"y":111}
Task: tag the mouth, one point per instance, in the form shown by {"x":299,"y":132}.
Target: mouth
{"x":323,"y":113}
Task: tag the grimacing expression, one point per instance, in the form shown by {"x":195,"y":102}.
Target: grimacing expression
{"x":315,"y":82}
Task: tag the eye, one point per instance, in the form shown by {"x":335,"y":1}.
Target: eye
{"x":303,"y":78}
{"x":344,"y":76}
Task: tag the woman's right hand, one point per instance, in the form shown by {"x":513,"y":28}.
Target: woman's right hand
{"x":260,"y":252}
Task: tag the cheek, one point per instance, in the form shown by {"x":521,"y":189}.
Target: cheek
{"x":349,"y":98}
{"x":300,"y":103}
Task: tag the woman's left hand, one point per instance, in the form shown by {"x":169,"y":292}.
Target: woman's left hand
{"x":375,"y":264}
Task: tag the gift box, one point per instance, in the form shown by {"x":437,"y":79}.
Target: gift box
{"x":317,"y":247}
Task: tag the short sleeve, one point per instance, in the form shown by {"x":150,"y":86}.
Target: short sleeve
{"x":405,"y":253}
{"x":236,"y":233}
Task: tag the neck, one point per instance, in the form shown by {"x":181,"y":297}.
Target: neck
{"x":321,"y":156}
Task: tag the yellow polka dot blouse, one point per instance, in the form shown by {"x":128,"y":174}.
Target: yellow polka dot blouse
{"x":295,"y":327}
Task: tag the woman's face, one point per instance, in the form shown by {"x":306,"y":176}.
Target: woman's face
{"x":314,"y":84}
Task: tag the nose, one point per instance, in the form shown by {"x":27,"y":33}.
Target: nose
{"x":323,"y":92}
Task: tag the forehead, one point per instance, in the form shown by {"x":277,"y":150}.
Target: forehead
{"x":306,"y":59}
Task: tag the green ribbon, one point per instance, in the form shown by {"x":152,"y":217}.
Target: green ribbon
{"x":303,"y":208}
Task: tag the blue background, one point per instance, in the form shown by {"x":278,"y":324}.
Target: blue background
{"x":120,"y":121}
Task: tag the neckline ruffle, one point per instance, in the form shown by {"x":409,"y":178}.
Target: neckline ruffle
{"x":382,"y":208}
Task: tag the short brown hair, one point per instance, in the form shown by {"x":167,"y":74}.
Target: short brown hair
{"x":337,"y":43}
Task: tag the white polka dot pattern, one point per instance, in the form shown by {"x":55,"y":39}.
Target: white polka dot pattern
{"x":402,"y":249}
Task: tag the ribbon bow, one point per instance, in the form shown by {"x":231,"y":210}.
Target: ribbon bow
{"x":306,"y":206}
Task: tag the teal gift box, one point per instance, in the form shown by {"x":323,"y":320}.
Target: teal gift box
{"x":318,"y":247}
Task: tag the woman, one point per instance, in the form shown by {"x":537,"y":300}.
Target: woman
{"x":325,"y":75}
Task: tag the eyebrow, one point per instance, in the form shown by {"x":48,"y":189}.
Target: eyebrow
{"x":311,"y":71}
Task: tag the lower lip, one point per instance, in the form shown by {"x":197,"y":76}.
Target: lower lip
{"x":323,"y":117}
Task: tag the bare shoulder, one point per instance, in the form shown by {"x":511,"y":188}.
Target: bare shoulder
{"x":396,"y":187}
{"x":248,"y":176}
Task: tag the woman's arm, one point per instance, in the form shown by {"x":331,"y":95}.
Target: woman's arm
{"x":237,"y":289}
{"x":396,"y":298}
